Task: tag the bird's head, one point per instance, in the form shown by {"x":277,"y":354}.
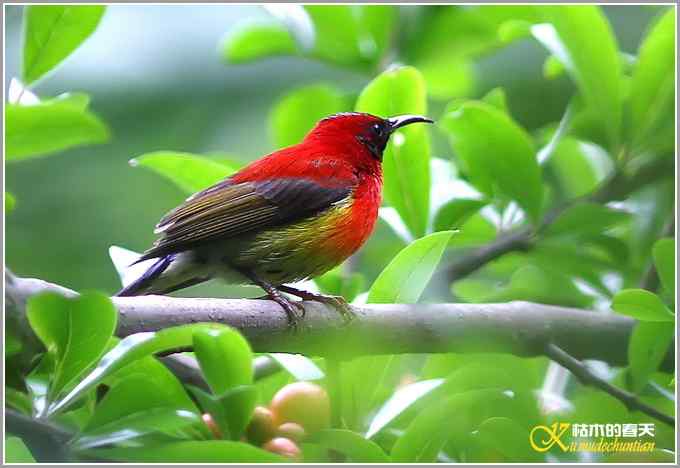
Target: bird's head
{"x":367,"y":132}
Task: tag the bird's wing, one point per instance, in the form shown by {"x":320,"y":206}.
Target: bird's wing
{"x":230,"y":209}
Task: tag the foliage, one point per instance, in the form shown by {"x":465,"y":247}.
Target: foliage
{"x":595,"y":237}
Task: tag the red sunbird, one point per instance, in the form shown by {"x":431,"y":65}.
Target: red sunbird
{"x":291,"y":215}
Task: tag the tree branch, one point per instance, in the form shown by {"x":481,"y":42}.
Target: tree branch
{"x":617,"y":187}
{"x":586,"y":377}
{"x":519,"y":328}
{"x":45,"y":440}
{"x":19,"y":290}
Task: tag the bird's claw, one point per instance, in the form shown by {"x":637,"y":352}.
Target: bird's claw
{"x":340,"y":304}
{"x":295,"y":312}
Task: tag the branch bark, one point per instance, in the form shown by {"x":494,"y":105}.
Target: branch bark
{"x":564,"y":334}
{"x":45,"y":440}
{"x":519,"y":328}
{"x":586,"y":377}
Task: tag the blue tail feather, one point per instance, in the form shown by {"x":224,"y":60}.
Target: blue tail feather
{"x":137,"y":286}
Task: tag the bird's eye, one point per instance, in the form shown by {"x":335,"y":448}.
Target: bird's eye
{"x":377,"y":129}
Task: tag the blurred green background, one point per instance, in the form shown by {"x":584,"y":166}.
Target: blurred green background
{"x":155,"y":76}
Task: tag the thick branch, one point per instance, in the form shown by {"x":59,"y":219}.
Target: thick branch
{"x":519,"y":328}
{"x":19,"y":290}
{"x":586,"y":377}
{"x":45,"y":440}
{"x":617,"y":187}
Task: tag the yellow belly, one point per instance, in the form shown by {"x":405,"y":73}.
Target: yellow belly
{"x":304,"y":249}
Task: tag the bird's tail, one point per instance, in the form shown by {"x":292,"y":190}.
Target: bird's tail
{"x":142,"y":284}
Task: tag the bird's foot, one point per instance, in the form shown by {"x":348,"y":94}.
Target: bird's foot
{"x":294,"y":310}
{"x":337,"y":302}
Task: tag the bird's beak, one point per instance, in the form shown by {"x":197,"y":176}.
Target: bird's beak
{"x":403,"y":120}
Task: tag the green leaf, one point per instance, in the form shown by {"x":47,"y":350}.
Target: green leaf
{"x":652,"y":95}
{"x":77,"y":330}
{"x":582,"y":40}
{"x":189,"y":172}
{"x":664,"y":261}
{"x":574,"y":164}
{"x":225,"y":358}
{"x":657,"y":455}
{"x":528,"y":283}
{"x":79,"y":101}
{"x":252,"y":41}
{"x":134,"y":394}
{"x":48,"y":316}
{"x":498,"y":153}
{"x":16,"y":451}
{"x":402,"y":399}
{"x":552,"y":68}
{"x":456,"y":212}
{"x":128,"y":350}
{"x":586,"y":219}
{"x":557,"y":136}
{"x":204,"y":451}
{"x":296,"y":113}
{"x":37,"y":383}
{"x":299,"y":366}
{"x":572,"y":259}
{"x":405,"y":277}
{"x":151,"y":368}
{"x":424,"y":437}
{"x":137,"y":424}
{"x":46,"y":128}
{"x":406,"y":160}
{"x":351,"y":35}
{"x":367,"y":381}
{"x":91,"y":322}
{"x":499,"y":371}
{"x":497,"y":98}
{"x":237,"y":406}
{"x":512,"y":30}
{"x":10,"y":201}
{"x":232,"y":410}
{"x":477,"y":230}
{"x":443,"y":44}
{"x":353,"y":445}
{"x":447,"y":76}
{"x":647,"y":348}
{"x":18,"y":400}
{"x":509,"y":438}
{"x":52,"y":33}
{"x":337,"y":282}
{"x":642,"y":305}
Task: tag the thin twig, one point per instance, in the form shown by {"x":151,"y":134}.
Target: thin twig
{"x":617,"y":187}
{"x":586,"y":377}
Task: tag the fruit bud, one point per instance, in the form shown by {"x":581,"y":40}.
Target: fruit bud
{"x":284,"y":447}
{"x":292,"y":431}
{"x":303,"y":403}
{"x":261,"y":427}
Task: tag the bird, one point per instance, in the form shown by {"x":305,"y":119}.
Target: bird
{"x":291,"y":215}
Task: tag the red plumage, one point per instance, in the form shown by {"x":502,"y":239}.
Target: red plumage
{"x":332,"y":157}
{"x":291,"y":215}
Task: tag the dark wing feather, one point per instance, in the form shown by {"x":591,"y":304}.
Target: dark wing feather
{"x":228,"y":210}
